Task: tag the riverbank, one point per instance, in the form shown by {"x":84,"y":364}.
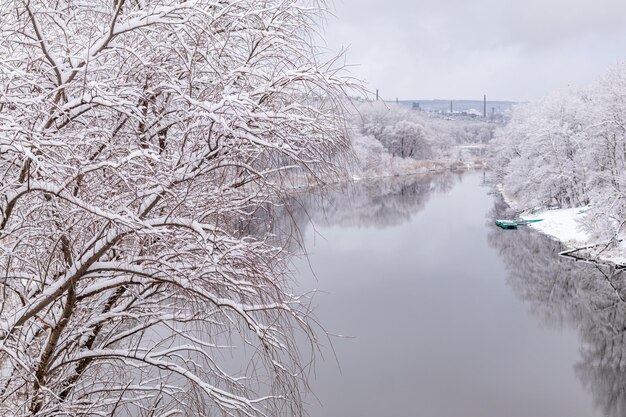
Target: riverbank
{"x":402,"y":167}
{"x":565,"y":226}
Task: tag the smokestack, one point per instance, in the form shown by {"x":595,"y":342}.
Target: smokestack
{"x":485,"y":106}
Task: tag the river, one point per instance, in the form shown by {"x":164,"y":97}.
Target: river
{"x":443,"y":314}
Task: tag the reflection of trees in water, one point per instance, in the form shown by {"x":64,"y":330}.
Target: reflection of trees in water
{"x":586,"y":296}
{"x":380,"y":203}
{"x":376,"y":203}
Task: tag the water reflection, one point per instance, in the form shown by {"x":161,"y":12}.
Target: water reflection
{"x":378,"y":203}
{"x":566,"y":293}
{"x":434,"y":329}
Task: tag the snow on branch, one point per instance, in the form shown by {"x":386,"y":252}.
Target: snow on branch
{"x":138,"y":141}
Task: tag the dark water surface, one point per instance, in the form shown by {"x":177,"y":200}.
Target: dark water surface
{"x":448,"y":316}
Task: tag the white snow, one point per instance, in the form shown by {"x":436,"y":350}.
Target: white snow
{"x":562,"y":224}
{"x":618,"y":254}
{"x":565,"y":226}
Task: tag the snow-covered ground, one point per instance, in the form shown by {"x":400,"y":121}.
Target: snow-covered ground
{"x":562,"y":224}
{"x":565,"y":226}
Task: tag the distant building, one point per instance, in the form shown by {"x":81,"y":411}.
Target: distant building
{"x":473,"y":113}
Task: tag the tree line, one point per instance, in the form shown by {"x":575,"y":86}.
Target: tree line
{"x":569,"y":150}
{"x":389,"y":138}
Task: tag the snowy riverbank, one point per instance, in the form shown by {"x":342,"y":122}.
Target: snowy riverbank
{"x":562,"y":224}
{"x":565,"y":225}
{"x":400,"y":168}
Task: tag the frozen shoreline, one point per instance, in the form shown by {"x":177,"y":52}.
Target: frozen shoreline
{"x":564,"y":225}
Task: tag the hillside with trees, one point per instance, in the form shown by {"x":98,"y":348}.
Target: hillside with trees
{"x":569,"y":150}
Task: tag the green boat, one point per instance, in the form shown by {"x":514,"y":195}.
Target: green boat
{"x":513,"y":224}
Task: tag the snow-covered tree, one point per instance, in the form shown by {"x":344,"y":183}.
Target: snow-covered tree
{"x":605,"y":154}
{"x":372,"y":118}
{"x":568,"y":150}
{"x":541,"y":145}
{"x":369,"y":152}
{"x":407,"y":139}
{"x":413,"y":134}
{"x":134,"y":137}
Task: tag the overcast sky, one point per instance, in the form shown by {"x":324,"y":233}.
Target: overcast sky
{"x":510,"y":50}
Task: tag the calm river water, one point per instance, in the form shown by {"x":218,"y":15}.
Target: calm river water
{"x":446,"y":315}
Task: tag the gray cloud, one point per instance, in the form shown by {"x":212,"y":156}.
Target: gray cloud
{"x":515,"y":50}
